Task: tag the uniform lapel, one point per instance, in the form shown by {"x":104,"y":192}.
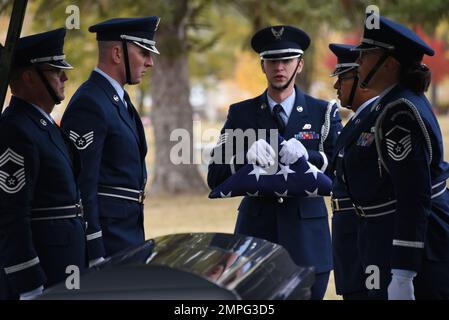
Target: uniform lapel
{"x":140,"y":131}
{"x":298,"y":116}
{"x":347,"y":129}
{"x":43,"y":123}
{"x":265,"y":119}
{"x":370,"y":116}
{"x":115,"y":100}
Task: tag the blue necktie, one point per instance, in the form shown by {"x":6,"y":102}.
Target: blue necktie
{"x":277,"y":110}
{"x":129,"y":104}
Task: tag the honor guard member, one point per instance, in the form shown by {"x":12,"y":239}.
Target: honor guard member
{"x":108,"y":132}
{"x":397,"y":179}
{"x":310,"y":127}
{"x":348,"y":272}
{"x":42,"y":231}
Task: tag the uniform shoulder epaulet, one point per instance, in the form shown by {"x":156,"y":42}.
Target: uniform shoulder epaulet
{"x":318,"y":103}
{"x":393,"y":125}
{"x":245,"y":104}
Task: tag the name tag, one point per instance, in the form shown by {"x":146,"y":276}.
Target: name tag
{"x":307,"y":135}
{"x":365,"y":139}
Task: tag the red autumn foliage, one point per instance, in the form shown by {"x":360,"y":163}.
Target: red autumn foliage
{"x":439,"y":63}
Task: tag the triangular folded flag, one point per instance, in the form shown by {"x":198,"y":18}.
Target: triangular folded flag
{"x":300,"y":179}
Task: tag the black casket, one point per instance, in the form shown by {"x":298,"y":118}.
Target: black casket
{"x":194,"y":266}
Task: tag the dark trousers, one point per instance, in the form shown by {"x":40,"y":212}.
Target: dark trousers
{"x":432,"y":281}
{"x":320,"y":285}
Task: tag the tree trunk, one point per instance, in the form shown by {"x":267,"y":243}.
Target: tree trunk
{"x":172,"y":110}
{"x":140,"y":102}
{"x":304,"y":80}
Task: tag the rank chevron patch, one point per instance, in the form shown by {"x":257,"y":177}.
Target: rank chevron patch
{"x":12,"y":183}
{"x":82,"y":142}
{"x":399,"y":143}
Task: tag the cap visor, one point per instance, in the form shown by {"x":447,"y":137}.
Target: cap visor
{"x":339,"y":71}
{"x":147,"y":47}
{"x":364,"y":47}
{"x":61,"y":64}
{"x":280,"y":56}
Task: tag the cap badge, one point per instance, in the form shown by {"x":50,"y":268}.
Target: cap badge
{"x":277,"y":34}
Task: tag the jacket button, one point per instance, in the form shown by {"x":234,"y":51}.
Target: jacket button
{"x":280,"y":200}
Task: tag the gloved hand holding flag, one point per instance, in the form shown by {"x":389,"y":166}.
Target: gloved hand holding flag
{"x":300,"y":179}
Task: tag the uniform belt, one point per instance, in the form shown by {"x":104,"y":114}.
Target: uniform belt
{"x":438,"y":189}
{"x":390,"y":207}
{"x":54,"y":213}
{"x":376,"y":210}
{"x":345,"y":204}
{"x":122,"y":193}
{"x":341,"y":204}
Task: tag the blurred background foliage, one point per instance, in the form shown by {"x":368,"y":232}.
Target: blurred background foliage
{"x":206,"y":62}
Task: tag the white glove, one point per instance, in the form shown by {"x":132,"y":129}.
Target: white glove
{"x":95,"y":261}
{"x":261,"y":153}
{"x":292,"y":150}
{"x":401,"y":285}
{"x":30,"y":295}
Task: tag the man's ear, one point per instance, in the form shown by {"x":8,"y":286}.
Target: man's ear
{"x":301,"y":65}
{"x":28,"y":76}
{"x":392,"y":64}
{"x":116,"y":52}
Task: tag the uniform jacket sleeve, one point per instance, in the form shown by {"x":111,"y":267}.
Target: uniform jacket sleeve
{"x":19,"y":161}
{"x":225,"y":158}
{"x":406,"y":153}
{"x":85,"y":123}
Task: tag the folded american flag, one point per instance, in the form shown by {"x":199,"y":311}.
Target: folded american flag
{"x":300,"y":179}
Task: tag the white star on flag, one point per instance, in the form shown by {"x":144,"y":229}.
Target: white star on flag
{"x":285,"y":194}
{"x":225,"y":195}
{"x":253,"y":194}
{"x":312,"y":194}
{"x":257,"y":171}
{"x":314,"y":170}
{"x":285,"y":170}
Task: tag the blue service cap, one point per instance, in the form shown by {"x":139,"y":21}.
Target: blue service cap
{"x":404,"y":44}
{"x":46,"y":47}
{"x":346,"y":58}
{"x":140,"y":31}
{"x":280,"y":42}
